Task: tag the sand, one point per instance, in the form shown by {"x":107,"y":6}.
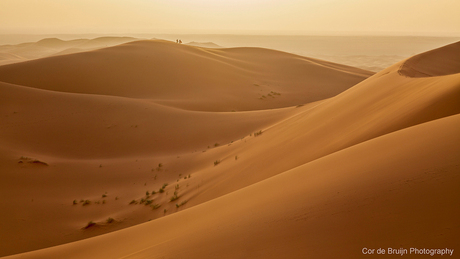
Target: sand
{"x":53,"y":47}
{"x":335,"y":159}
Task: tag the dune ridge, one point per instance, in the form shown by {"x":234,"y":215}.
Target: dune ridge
{"x":447,"y":59}
{"x":320,"y":180}
{"x":54,"y":46}
{"x":189,"y":77}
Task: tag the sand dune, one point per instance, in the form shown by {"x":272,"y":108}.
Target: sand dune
{"x":190,"y":77}
{"x":90,"y":124}
{"x":322,"y":180}
{"x":53,"y":47}
{"x":329,"y":208}
{"x":204,"y":44}
{"x":447,"y":59}
{"x":8,"y":58}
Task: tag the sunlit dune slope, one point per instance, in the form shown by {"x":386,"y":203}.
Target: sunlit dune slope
{"x":189,"y":77}
{"x":384,"y":103}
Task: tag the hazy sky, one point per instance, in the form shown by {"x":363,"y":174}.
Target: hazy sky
{"x":407,"y":17}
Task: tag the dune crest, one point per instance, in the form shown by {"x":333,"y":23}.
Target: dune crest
{"x":54,"y":47}
{"x":438,"y":62}
{"x":204,"y":44}
{"x":192,"y":78}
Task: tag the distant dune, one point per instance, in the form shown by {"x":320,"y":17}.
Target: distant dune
{"x":53,"y":46}
{"x":8,"y":58}
{"x":204,"y":44}
{"x":227,"y":153}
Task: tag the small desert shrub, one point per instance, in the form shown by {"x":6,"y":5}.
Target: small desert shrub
{"x":133,"y":202}
{"x":75,"y":202}
{"x":236,"y":157}
{"x":103,"y":201}
{"x":216,"y":144}
{"x":148,"y":202}
{"x":103,"y":195}
{"x":258,"y":133}
{"x":216,"y":162}
{"x":90,"y":224}
{"x":155,"y":206}
{"x":147,"y":193}
{"x":177,"y":187}
{"x":110,"y":220}
{"x":86,"y":202}
{"x":173,"y":198}
{"x":161,"y":191}
{"x":181,"y":204}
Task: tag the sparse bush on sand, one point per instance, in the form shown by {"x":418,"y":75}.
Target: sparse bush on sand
{"x":181,"y":204}
{"x":90,"y":224}
{"x":258,"y":133}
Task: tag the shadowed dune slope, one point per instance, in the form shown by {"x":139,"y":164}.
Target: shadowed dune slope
{"x":189,"y":77}
{"x":93,"y":126}
{"x":447,"y":60}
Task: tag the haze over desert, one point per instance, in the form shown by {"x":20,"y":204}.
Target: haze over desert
{"x":256,"y":138}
